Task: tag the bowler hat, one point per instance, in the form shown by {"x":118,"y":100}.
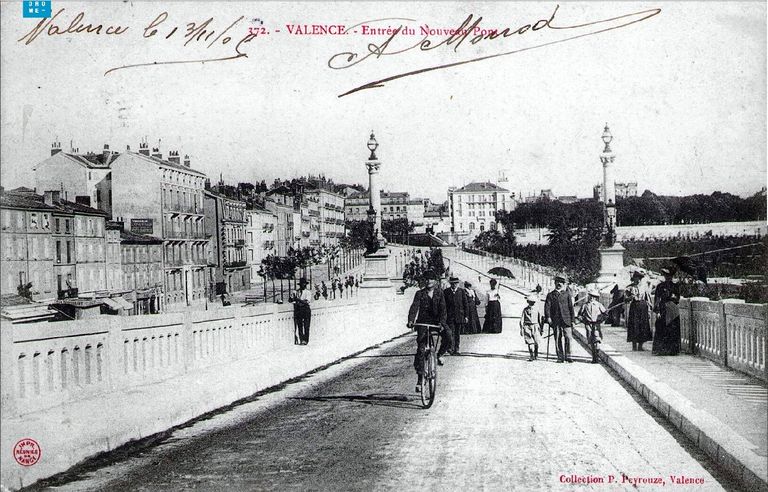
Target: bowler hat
{"x":561,"y":276}
{"x":303,"y":281}
{"x":453,"y":280}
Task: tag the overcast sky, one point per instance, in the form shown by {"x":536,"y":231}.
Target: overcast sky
{"x":684,"y":93}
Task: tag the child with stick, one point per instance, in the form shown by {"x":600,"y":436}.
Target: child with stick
{"x":530,"y":327}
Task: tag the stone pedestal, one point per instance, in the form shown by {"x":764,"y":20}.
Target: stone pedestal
{"x":376,"y":274}
{"x":611,"y":264}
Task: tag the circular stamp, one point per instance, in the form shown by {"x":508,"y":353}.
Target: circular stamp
{"x":27,"y":452}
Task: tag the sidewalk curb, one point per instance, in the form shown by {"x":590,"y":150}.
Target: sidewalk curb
{"x":725,"y":447}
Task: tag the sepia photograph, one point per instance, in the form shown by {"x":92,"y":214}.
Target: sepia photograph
{"x":391,"y":245}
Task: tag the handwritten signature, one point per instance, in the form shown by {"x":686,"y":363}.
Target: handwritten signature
{"x":192,"y":33}
{"x":471,"y":25}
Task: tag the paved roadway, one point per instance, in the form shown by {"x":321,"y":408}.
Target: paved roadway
{"x":499,"y":423}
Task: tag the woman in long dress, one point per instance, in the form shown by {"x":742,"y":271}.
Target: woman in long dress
{"x":666,"y":339}
{"x":492,"y":323}
{"x":638,"y":318}
{"x":473,"y":323}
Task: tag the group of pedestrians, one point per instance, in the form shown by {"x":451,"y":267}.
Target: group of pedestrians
{"x":454,"y":309}
{"x":349,"y":285}
{"x":645,"y":307}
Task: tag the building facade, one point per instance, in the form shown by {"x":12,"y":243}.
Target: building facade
{"x":280,"y":203}
{"x":332,"y":215}
{"x":81,"y":178}
{"x":623,"y":190}
{"x":225,"y":223}
{"x":473,"y":207}
{"x":171,"y":210}
{"x":57,"y":246}
{"x":260,"y":241}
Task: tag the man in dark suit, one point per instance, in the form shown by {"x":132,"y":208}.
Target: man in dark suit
{"x":457,"y":308}
{"x":428,"y":307}
{"x":558,"y":312}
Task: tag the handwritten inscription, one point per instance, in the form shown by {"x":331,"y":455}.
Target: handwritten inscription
{"x":468,"y":32}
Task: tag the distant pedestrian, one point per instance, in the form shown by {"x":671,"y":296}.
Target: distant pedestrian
{"x":224,"y":301}
{"x":617,"y":299}
{"x":324,"y":289}
{"x":457,"y":308}
{"x":666,"y":339}
{"x":637,"y":297}
{"x":559,"y":315}
{"x":302,"y":313}
{"x":341,"y":289}
{"x":333,"y":289}
{"x":592,"y":314}
{"x":531,"y":327}
{"x":492,"y":322}
{"x":473,"y":324}
{"x":357,"y":286}
{"x":317,"y":292}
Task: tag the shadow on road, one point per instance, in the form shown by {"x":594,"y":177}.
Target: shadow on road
{"x":522,"y":356}
{"x":379,"y":399}
{"x":381,"y":355}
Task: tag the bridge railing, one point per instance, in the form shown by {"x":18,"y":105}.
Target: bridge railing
{"x":50,"y":364}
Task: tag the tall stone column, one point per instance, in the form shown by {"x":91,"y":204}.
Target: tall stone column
{"x":376,"y":261}
{"x":374,"y":200}
{"x":611,"y":252}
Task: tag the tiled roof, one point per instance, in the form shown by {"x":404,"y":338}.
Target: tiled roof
{"x":94,"y":161}
{"x":484,"y":186}
{"x":32,"y":201}
{"x":163,"y":162}
{"x":129,"y":237}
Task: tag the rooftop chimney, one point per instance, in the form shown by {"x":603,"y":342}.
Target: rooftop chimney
{"x":51,"y":197}
{"x":55,"y":148}
{"x":186,"y":161}
{"x":156,"y":153}
{"x":144,"y":148}
{"x":173,"y":156}
{"x":83,"y":200}
{"x":106,"y":152}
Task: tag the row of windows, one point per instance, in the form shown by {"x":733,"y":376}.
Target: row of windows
{"x":173,"y":176}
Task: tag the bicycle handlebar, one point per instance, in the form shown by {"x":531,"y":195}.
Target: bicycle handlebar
{"x":427,"y":325}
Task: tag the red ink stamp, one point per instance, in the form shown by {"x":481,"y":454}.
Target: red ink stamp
{"x":27,"y":452}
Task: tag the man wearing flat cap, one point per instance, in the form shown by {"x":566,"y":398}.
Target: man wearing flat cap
{"x":559,"y":314}
{"x":428,"y":307}
{"x":457,"y":309}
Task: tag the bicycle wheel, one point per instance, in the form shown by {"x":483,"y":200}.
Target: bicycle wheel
{"x":431,"y":382}
{"x":426,"y":394}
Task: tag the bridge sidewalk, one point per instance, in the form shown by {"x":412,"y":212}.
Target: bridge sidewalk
{"x":724,"y":412}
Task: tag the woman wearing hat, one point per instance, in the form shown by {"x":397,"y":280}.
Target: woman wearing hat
{"x":473,"y":325}
{"x":637,"y":297}
{"x":666,"y":339}
{"x":492,"y":323}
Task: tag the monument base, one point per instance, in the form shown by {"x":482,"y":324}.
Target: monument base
{"x":376,"y":274}
{"x":611,"y":264}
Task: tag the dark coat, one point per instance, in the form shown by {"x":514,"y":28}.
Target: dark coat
{"x":426,"y":310}
{"x":558,"y":308}
{"x":456,"y":305}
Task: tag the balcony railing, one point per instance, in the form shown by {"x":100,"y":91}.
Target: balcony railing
{"x":235,"y":264}
{"x":186,"y":235}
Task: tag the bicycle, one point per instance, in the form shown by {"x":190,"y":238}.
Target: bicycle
{"x":429,"y":363}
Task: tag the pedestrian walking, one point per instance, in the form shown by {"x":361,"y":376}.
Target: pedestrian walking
{"x":302,"y":312}
{"x":531,"y":327}
{"x":617,"y":299}
{"x":492,"y":322}
{"x":317,"y":292}
{"x":324,"y":289}
{"x":473,"y":325}
{"x":333,"y":289}
{"x":559,"y":315}
{"x":341,"y":289}
{"x":592,"y":314}
{"x":638,"y":298}
{"x":428,"y":307}
{"x":666,"y":339}
{"x":457,"y":307}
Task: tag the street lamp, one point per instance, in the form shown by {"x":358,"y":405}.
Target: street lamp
{"x":372,"y":146}
{"x":607,"y":138}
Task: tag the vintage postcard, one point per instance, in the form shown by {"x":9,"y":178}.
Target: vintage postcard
{"x":240,"y":240}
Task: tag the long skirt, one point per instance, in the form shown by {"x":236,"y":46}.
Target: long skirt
{"x":638,"y":323}
{"x":666,"y":340}
{"x":473,"y":326}
{"x":492,"y":322}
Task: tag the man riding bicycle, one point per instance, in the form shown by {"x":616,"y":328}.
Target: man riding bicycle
{"x":428,"y":307}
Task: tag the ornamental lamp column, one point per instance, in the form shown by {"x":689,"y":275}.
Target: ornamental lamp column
{"x":611,"y":252}
{"x":374,"y":197}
